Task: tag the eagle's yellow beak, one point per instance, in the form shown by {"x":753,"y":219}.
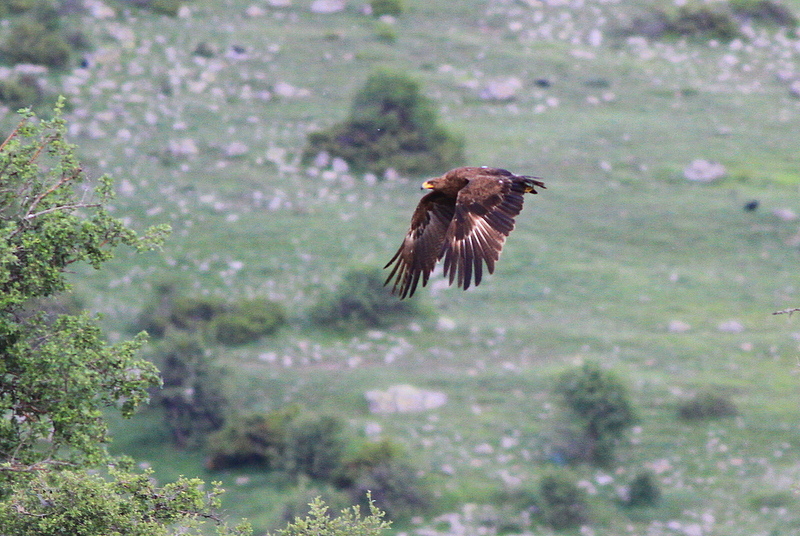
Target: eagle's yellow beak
{"x":427,"y":185}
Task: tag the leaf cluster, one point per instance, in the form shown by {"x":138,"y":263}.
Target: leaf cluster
{"x":57,"y":374}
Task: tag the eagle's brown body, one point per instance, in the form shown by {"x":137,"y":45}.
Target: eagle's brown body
{"x":465,"y":221}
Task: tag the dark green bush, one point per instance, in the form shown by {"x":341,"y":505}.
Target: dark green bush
{"x":30,"y":41}
{"x":707,"y":405}
{"x":16,"y":7}
{"x":188,"y":313}
{"x":561,"y":502}
{"x":387,"y":7}
{"x":248,"y":321}
{"x":764,"y":11}
{"x":600,"y":401}
{"x":315,"y":445}
{"x":383,"y":468}
{"x":385,"y":33}
{"x":164,"y":7}
{"x":192,"y":397}
{"x":644,"y":490}
{"x":253,"y":440}
{"x":705,"y":22}
{"x":362,"y":301}
{"x":227,"y":323}
{"x":391,"y":125}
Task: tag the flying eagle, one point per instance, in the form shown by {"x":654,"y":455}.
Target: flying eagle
{"x":465,"y":221}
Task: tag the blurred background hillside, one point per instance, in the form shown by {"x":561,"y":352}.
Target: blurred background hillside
{"x":621,"y":372}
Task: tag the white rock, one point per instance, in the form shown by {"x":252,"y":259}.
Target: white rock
{"x":794,"y":88}
{"x":403,"y":399}
{"x":503,"y":89}
{"x":678,"y":326}
{"x":255,"y":11}
{"x":704,"y":171}
{"x":785,"y":214}
{"x":327,"y":6}
{"x":236,"y":148}
{"x":731,"y":326}
{"x":183,"y":147}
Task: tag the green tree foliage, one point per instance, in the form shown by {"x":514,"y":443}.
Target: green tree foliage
{"x":361,"y":301}
{"x":57,"y":375}
{"x":349,"y":522}
{"x":391,"y":125}
{"x":600,"y":401}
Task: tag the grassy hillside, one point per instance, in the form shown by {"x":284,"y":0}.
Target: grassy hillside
{"x":617,"y":248}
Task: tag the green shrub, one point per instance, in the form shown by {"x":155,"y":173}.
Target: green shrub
{"x":191,"y":398}
{"x":643,"y":490}
{"x":248,"y":321}
{"x":16,"y":7}
{"x":385,"y":32}
{"x":227,"y":323}
{"x":30,"y":41}
{"x":394,"y":486}
{"x":387,"y":7}
{"x":707,"y":405}
{"x":188,"y":313}
{"x":764,"y":11}
{"x":391,"y":125}
{"x":600,"y":401}
{"x":383,"y":468}
{"x":773,"y":499}
{"x":561,"y":502}
{"x":166,"y":7}
{"x":704,"y":21}
{"x":362,"y":301}
{"x":253,"y":440}
{"x":315,"y":446}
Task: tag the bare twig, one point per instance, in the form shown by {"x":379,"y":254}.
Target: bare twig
{"x":62,"y":207}
{"x":787,"y":311}
{"x":50,"y":190}
{"x":13,"y":133}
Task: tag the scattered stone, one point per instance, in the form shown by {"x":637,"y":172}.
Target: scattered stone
{"x":678,"y":326}
{"x":254,"y":11}
{"x":288,"y":91}
{"x":327,"y":6}
{"x":731,"y":326}
{"x":99,"y":10}
{"x":404,"y":399}
{"x":502,"y":89}
{"x":704,"y":171}
{"x":794,"y":89}
{"x":183,"y":147}
{"x":785,"y":214}
{"x":236,"y":148}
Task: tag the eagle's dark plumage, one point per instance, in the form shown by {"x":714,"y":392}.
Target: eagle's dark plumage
{"x":465,"y":221}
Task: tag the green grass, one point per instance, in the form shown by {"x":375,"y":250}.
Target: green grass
{"x":600,"y":263}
